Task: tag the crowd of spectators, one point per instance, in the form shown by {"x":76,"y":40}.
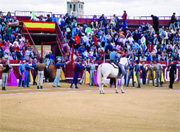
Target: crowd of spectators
{"x":13,"y":45}
{"x":99,"y":38}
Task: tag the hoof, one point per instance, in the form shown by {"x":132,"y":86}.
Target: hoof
{"x":101,"y":92}
{"x":122,"y":92}
{"x":117,"y":92}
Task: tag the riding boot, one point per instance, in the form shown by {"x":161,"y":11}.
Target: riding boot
{"x":119,"y":72}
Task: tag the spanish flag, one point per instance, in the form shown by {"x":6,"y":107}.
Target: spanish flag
{"x":39,"y":26}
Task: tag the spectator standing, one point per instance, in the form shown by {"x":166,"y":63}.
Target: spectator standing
{"x":155,"y":23}
{"x":173,"y":22}
{"x":49,"y":19}
{"x":124,"y":17}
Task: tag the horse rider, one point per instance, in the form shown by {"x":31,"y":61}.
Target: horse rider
{"x":58,"y":66}
{"x":50,"y":57}
{"x":172,"y":69}
{"x":158,"y":68}
{"x":114,"y":58}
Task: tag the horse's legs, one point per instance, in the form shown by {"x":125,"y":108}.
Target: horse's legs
{"x":102,"y":85}
{"x":122,"y":90}
{"x":116,"y":85}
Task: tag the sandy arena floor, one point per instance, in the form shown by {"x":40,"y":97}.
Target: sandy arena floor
{"x":148,"y":109}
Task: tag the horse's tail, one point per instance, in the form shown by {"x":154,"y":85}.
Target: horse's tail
{"x":99,"y":75}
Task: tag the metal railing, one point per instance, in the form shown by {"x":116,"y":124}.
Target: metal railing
{"x":45,"y":13}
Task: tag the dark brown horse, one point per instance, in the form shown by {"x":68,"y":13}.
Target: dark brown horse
{"x":51,"y":72}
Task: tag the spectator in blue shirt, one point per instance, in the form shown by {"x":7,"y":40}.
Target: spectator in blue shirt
{"x":54,"y":18}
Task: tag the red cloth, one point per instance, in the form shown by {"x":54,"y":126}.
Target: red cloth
{"x":95,"y":39}
{"x":16,"y":48}
{"x":77,"y":39}
{"x":124,"y":16}
{"x":150,"y":47}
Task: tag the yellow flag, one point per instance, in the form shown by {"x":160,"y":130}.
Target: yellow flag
{"x":87,"y":78}
{"x":62,"y":76}
{"x":162,"y":77}
{"x":135,"y":78}
{"x":30,"y":76}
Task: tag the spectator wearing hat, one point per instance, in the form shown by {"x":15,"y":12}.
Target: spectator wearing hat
{"x":6,"y":68}
{"x":155,"y":23}
{"x":40,"y":68}
{"x":137,"y":69}
{"x":57,"y":78}
{"x":34,"y":71}
{"x":27,"y":68}
{"x":21,"y":71}
{"x":76,"y":74}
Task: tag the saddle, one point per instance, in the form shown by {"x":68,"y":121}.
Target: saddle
{"x":115,"y":65}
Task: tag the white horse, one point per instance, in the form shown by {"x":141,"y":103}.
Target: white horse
{"x":106,"y":70}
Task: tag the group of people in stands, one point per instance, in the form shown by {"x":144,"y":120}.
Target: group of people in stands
{"x":13,"y":45}
{"x":97,"y":39}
